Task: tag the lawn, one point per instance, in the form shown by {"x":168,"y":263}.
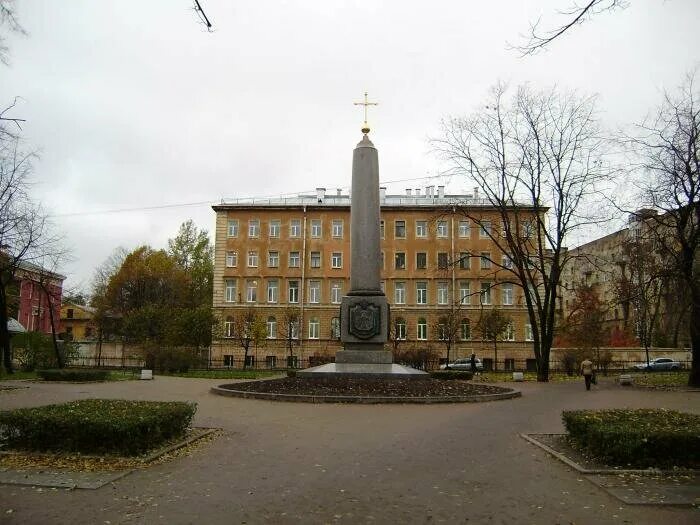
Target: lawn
{"x":114,"y":375}
{"x":675,"y":378}
{"x":504,"y":377}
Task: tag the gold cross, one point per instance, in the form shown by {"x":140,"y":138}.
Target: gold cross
{"x":365,"y":128}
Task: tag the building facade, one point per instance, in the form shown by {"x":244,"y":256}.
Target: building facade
{"x":277,"y":255}
{"x":36,"y":293}
{"x":77,"y":322}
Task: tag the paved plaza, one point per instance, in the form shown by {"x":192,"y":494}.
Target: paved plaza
{"x":305,"y":463}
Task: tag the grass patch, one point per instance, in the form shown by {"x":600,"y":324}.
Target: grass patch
{"x":641,"y":437}
{"x":73,"y":374}
{"x":226,"y":374}
{"x":671,"y":378}
{"x":96,"y":426}
{"x":507,"y":377}
{"x":17,"y":375}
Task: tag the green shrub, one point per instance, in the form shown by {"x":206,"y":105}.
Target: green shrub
{"x":464,"y":375}
{"x":34,"y":350}
{"x":73,"y":374}
{"x":641,"y":437}
{"x":96,"y":426}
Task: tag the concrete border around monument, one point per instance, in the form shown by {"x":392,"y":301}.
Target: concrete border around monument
{"x":366,"y":400}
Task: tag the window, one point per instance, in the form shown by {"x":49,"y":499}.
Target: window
{"x":528,"y":332}
{"x":400,"y":293}
{"x":335,"y":328}
{"x":232,"y":228}
{"x":509,"y":363}
{"x":70,"y":313}
{"x":316,"y":228}
{"x":381,"y":229}
{"x":421,"y":260}
{"x":510,"y":332}
{"x":315,"y":259}
{"x":252,"y":259}
{"x":249,"y":361}
{"x":295,"y":228}
{"x":485,"y":293}
{"x":400,"y":329}
{"x":442,"y":292}
{"x":464,"y":292}
{"x":465,"y":329}
{"x":293,"y":291}
{"x":252,"y":292}
{"x":293,"y":329}
{"x":231,"y":259}
{"x":253,"y":228}
{"x":273,"y":259}
{"x":274,"y":229}
{"x":271,"y":328}
{"x":485,"y":229}
{"x":336,"y":292}
{"x":464,"y":258}
{"x":228,"y":327}
{"x":422,"y":332}
{"x":294,"y":260}
{"x":421,"y":292}
{"x":442,"y":229}
{"x":528,"y":229}
{"x":506,"y":262}
{"x":442,"y":332}
{"x":272,"y":291}
{"x":485,"y":260}
{"x":421,"y":229}
{"x":314,"y":328}
{"x":337,"y":260}
{"x":69,"y":330}
{"x":382,"y":286}
{"x":400,"y":260}
{"x":442,"y":260}
{"x":314,"y":291}
{"x":230,"y":290}
{"x":337,"y":227}
{"x":507,"y":294}
{"x":271,"y":360}
{"x":399,"y":229}
{"x":228,"y":360}
{"x":465,"y":230}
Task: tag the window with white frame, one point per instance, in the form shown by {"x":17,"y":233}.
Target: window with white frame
{"x":251,"y":291}
{"x":271,"y":328}
{"x":230,"y":290}
{"x":232,"y":230}
{"x":485,"y":229}
{"x":464,"y":292}
{"x":294,"y":260}
{"x":421,"y":260}
{"x":293,"y":291}
{"x":421,"y":229}
{"x":442,"y":261}
{"x":464,"y":258}
{"x":316,"y":228}
{"x":228,"y":327}
{"x":485,"y":260}
{"x":443,"y":292}
{"x":465,"y":329}
{"x":294,"y":329}
{"x":510,"y":332}
{"x":337,"y":228}
{"x":485,"y":295}
{"x":399,"y":292}
{"x":506,"y":262}
{"x":400,"y":260}
{"x":442,"y":332}
{"x":272,"y":291}
{"x":295,"y":228}
{"x":273,"y":259}
{"x":381,"y":229}
{"x":507,"y":294}
{"x":253,"y":228}
{"x":315,"y":259}
{"x":400,"y":329}
{"x":399,"y":229}
{"x":314,"y":291}
{"x":274,"y":229}
{"x":231,"y":259}
{"x":336,"y":292}
{"x":465,"y":230}
{"x":528,"y":332}
{"x":336,"y":260}
{"x":422,"y":329}
{"x":421,"y":292}
{"x":252,"y":259}
{"x":442,"y":229}
{"x":314,"y":328}
{"x":335,"y":327}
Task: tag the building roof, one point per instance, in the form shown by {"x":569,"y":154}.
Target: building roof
{"x":14,"y":326}
{"x":35,"y":268}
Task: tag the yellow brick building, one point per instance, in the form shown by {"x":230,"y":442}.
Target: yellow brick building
{"x":295,"y":253}
{"x":77,"y":322}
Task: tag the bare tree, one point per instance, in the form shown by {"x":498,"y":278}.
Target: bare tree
{"x":448,"y":327}
{"x":249,"y":330}
{"x":289,"y":330}
{"x":537,"y":160}
{"x":575,"y":14}
{"x":669,"y":148}
{"x":48,"y":279}
{"x":9,"y":20}
{"x":493,"y":325}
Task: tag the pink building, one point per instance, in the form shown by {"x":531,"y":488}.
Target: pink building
{"x":34,"y":301}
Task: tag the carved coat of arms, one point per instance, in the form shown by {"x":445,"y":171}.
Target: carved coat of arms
{"x":364,"y":320}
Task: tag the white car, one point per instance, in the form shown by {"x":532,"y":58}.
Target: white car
{"x":660,"y":363}
{"x":463,"y":364}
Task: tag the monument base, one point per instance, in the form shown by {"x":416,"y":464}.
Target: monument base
{"x":369,"y":357}
{"x":363,"y":371}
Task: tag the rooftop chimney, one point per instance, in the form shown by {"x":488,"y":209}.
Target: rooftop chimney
{"x":441,"y":192}
{"x":417,"y":192}
{"x":339,"y":192}
{"x":320,"y":194}
{"x":408,"y":192}
{"x":382,"y":193}
{"x":476,"y":192}
{"x":429,"y":191}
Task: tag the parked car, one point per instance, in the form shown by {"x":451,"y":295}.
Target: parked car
{"x":660,"y":363}
{"x":463,"y":364}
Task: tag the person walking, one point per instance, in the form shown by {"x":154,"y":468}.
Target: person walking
{"x":587,"y":371}
{"x":472,"y":364}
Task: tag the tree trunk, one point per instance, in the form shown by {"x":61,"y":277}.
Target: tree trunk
{"x":100,"y":336}
{"x":495,"y":355}
{"x":57,"y":351}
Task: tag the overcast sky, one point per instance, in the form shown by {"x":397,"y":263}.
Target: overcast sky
{"x":133,"y":104}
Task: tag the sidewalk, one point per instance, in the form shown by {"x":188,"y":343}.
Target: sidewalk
{"x":302,"y":463}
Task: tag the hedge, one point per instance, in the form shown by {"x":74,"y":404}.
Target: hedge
{"x":96,"y":426}
{"x":464,"y":375}
{"x":73,"y":374}
{"x":640,"y":437}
